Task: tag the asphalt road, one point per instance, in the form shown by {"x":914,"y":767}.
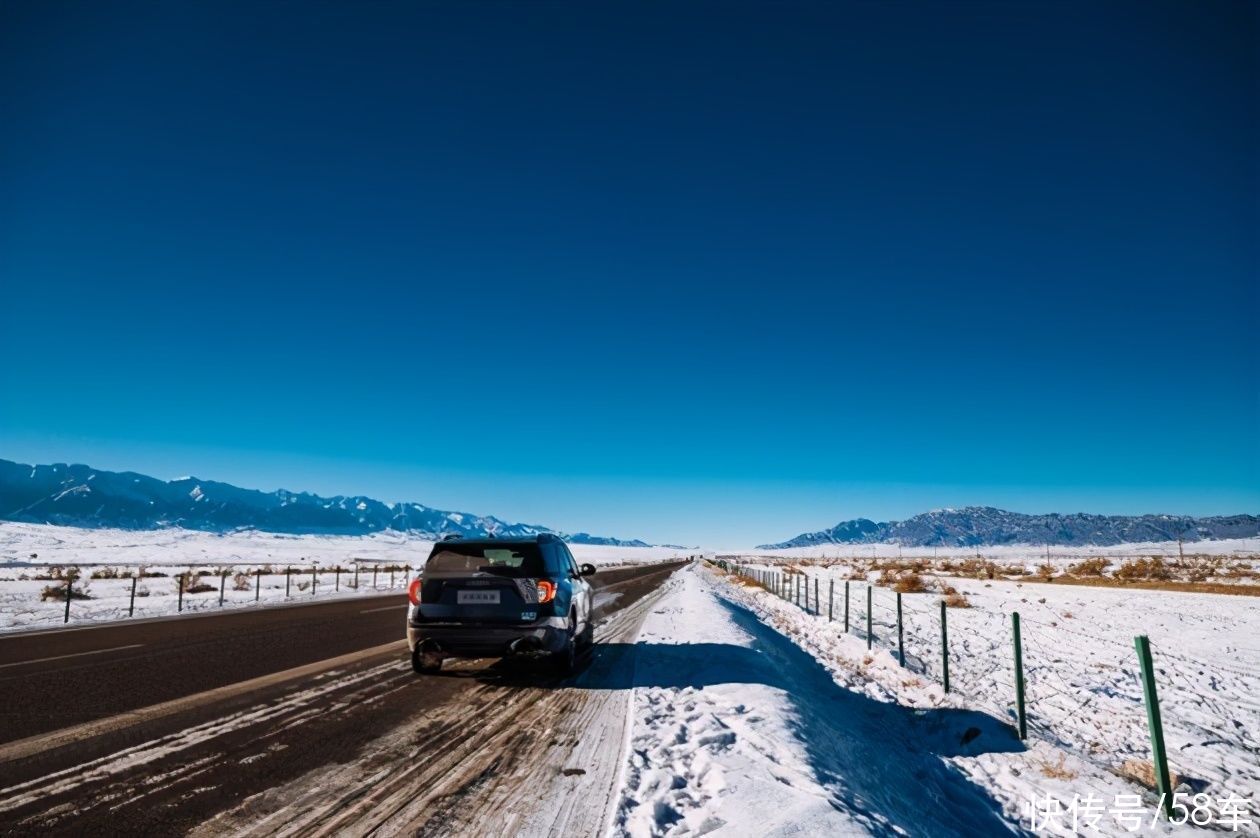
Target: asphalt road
{"x":173,"y":725}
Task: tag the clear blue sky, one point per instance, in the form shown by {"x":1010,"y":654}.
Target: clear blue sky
{"x":679,"y":271}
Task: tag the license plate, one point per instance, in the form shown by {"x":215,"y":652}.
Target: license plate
{"x":477,"y":597}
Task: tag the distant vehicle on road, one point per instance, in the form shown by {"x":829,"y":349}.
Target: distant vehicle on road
{"x":498,"y":597}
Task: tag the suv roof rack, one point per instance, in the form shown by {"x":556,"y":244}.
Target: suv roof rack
{"x":452,"y":536}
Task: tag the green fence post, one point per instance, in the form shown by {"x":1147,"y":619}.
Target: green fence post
{"x":1160,"y":755}
{"x":831,"y":598}
{"x":944,"y":648}
{"x":846,"y":606}
{"x":868,"y":615}
{"x":1019,"y":676}
{"x":901,"y":646}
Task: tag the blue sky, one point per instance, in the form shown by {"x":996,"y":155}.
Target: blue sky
{"x":685,"y":272}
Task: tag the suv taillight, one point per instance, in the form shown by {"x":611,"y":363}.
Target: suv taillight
{"x":546,"y":590}
{"x":413,"y":591}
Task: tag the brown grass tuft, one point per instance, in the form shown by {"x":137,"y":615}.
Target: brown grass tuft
{"x":1057,"y":770}
{"x":1143,"y":773}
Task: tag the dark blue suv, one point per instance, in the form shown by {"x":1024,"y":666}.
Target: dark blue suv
{"x":500,"y":596}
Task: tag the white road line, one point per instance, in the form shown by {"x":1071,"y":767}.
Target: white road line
{"x":74,"y":655}
{"x":385,"y":608}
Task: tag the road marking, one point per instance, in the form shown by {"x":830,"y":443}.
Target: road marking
{"x":385,"y":608}
{"x":74,"y":655}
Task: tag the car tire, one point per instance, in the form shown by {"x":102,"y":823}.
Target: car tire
{"x":426,"y":663}
{"x":563,"y":660}
{"x":587,"y":638}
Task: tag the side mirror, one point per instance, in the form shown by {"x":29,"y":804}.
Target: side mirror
{"x":587,"y":569}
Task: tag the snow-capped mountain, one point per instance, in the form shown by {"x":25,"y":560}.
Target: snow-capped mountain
{"x":986,"y":526}
{"x":81,"y":496}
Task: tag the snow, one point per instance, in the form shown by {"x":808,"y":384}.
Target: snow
{"x":173,"y":551}
{"x":1247,"y":547}
{"x":1086,"y":713}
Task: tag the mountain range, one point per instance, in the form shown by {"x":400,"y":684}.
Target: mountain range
{"x":975,"y":526}
{"x":81,"y":496}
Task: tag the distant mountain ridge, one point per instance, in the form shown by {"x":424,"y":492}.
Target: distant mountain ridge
{"x":81,"y":496}
{"x":985,"y":526}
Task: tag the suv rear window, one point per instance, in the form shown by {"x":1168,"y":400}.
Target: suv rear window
{"x":502,"y":559}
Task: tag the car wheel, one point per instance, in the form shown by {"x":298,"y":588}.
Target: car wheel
{"x":426,"y":662}
{"x":587,"y":638}
{"x":564,"y":660}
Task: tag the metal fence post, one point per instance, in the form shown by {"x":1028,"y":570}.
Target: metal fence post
{"x":831,"y":598}
{"x":374,"y":569}
{"x":1019,"y":676}
{"x":314,"y":578}
{"x":69,"y":593}
{"x":868,"y":616}
{"x":131,"y":611}
{"x":183,"y":583}
{"x":817,"y":607}
{"x":337,"y":578}
{"x":222,"y":582}
{"x":944,"y":648}
{"x":901,"y":646}
{"x":846,"y":606}
{"x":391,"y":576}
{"x":257,"y":584}
{"x":1158,"y":753}
{"x":288,"y":580}
{"x":356,"y":576}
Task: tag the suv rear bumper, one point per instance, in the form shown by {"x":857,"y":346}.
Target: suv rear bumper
{"x":487,"y":640}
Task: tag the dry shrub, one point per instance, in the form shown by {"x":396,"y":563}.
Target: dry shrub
{"x":956,"y":600}
{"x":1057,"y":770}
{"x":978,"y":568}
{"x":1152,"y":568}
{"x":1045,"y":571}
{"x":1090,"y":567}
{"x":1143,"y":773}
{"x":105,"y":573}
{"x":240,"y":582}
{"x":58,"y":593}
{"x":909,"y":583}
{"x":1015,"y":570}
{"x":190,"y":584}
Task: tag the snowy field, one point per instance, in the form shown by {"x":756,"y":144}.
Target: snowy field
{"x":383,"y":560}
{"x":753,"y":717}
{"x":1245,"y":548}
{"x":1086,"y":716}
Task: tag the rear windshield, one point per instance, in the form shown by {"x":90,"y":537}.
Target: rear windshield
{"x":502,"y":559}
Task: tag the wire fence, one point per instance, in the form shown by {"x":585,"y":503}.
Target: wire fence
{"x":1086,"y":693}
{"x":66,"y":594}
